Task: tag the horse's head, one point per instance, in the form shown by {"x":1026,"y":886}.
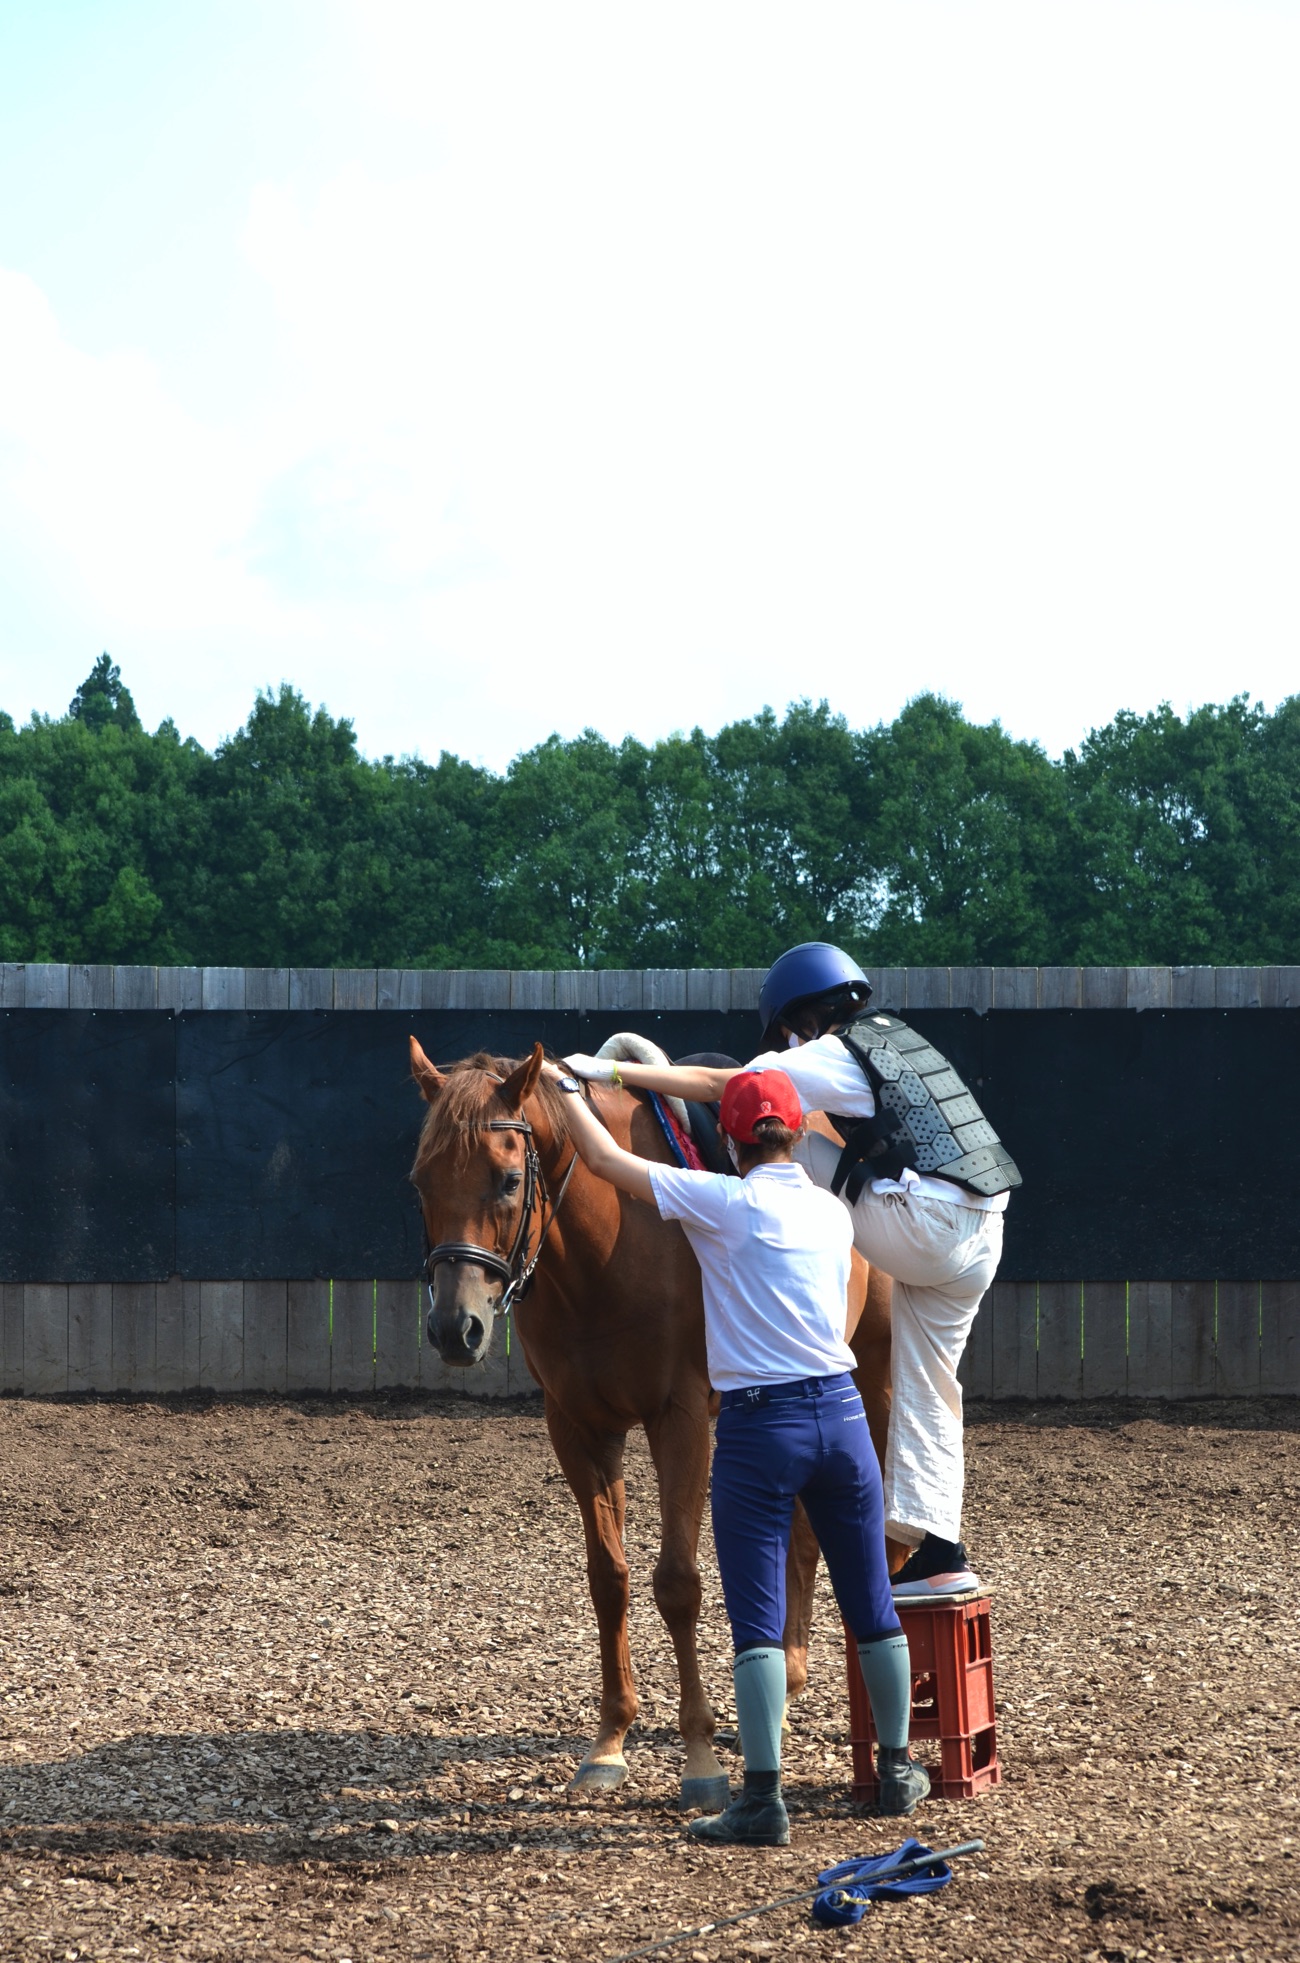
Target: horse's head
{"x":476,"y":1174}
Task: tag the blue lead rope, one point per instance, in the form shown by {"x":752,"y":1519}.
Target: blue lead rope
{"x":849,"y":1889}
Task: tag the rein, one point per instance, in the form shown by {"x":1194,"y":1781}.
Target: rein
{"x":515,"y":1269}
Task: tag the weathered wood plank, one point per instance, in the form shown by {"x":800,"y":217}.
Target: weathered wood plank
{"x":47,"y":985}
{"x":1015,"y":1338}
{"x":12,"y":1310}
{"x":708,"y":988}
{"x":620,"y":988}
{"x":1060,"y":988}
{"x":1150,"y":1339}
{"x":397,"y":1334}
{"x":1237,"y":988}
{"x":266,"y":988}
{"x":435,"y":988}
{"x":576,"y":989}
{"x":352,"y":1336}
{"x":665,"y":989}
{"x":1105,"y":988}
{"x":266,"y":1335}
{"x":1279,"y":988}
{"x":1105,"y":1338}
{"x":135,"y":1336}
{"x":1015,"y":988}
{"x":479,"y":988}
{"x":1236,"y":1339}
{"x":1192,"y":988}
{"x":135,"y":988}
{"x":180,"y":989}
{"x":13,"y":984}
{"x":178,"y":1312}
{"x":1060,"y":1330}
{"x":1192,"y":1339}
{"x":397,"y":988}
{"x":90,"y":985}
{"x":223,"y":988}
{"x":929,"y":988}
{"x":969,"y":988}
{"x":308,"y":1366}
{"x":1149,"y":988}
{"x":45,"y":1339}
{"x":889,"y":989}
{"x":221,"y":1335}
{"x":90,"y":1336}
{"x":975,"y":1371}
{"x":1279,"y":1355}
{"x":533,"y":988}
{"x":311,"y":988}
{"x":355,"y":988}
{"x":746,"y":984}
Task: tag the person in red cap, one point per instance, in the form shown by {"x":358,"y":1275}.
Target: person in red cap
{"x":774,"y":1253}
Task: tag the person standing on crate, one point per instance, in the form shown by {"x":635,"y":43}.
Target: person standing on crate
{"x":774,"y":1256}
{"x":926,"y":1179}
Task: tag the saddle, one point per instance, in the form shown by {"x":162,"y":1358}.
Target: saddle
{"x":705,"y":1134}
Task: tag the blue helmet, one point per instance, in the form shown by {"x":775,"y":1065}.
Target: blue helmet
{"x":800,"y":974}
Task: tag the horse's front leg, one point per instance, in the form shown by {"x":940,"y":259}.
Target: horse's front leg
{"x":593,"y":1466}
{"x":679,"y":1445}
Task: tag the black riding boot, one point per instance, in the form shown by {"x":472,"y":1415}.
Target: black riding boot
{"x":903,"y":1783}
{"x":757,"y":1819}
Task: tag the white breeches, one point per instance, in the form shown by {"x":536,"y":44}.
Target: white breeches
{"x":942,"y":1257}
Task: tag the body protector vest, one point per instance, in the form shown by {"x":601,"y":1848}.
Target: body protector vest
{"x":925,"y":1117}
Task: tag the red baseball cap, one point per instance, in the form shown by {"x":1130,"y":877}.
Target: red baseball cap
{"x":757,"y":1094}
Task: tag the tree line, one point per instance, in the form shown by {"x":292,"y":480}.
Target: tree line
{"x":926,"y":840}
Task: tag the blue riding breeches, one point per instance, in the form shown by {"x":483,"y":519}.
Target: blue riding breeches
{"x":809,"y":1441}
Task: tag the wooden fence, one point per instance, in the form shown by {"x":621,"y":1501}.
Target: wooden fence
{"x":73,"y":985}
{"x":1144,"y":1338}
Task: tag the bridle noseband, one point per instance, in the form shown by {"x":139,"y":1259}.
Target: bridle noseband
{"x":515,"y":1269}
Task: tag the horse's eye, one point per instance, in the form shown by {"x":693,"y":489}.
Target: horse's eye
{"x":510,"y":1185}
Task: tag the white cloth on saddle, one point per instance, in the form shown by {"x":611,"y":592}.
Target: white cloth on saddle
{"x":774,"y":1259}
{"x":625,"y":1046}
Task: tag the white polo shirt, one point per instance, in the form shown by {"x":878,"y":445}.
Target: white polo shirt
{"x":829,"y":1078}
{"x":774,"y":1255}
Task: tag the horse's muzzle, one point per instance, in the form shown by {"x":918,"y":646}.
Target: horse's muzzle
{"x":461,"y":1312}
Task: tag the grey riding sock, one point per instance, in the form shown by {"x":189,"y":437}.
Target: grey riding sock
{"x":887,"y":1673}
{"x":759,"y":1678}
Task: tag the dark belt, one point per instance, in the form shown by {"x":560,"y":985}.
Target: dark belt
{"x":754,"y":1396}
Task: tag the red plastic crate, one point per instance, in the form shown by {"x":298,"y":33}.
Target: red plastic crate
{"x":951,"y":1648}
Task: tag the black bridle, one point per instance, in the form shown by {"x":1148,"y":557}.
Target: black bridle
{"x":516,"y":1268}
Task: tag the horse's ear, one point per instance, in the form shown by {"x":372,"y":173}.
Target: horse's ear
{"x":520,"y":1084}
{"x":428,"y":1077}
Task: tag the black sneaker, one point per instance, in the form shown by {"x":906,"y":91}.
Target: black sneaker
{"x":936,"y":1571}
{"x":903,"y":1783}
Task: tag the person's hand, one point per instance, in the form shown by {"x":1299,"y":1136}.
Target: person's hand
{"x":596,"y":1069}
{"x":552,"y":1070}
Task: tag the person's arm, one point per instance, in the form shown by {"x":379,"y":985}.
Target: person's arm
{"x":688,"y":1080}
{"x":600,"y":1154}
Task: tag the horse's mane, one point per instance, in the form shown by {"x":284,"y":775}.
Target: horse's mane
{"x":460,"y":1113}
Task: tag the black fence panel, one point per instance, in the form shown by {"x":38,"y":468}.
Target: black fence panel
{"x":275,"y":1145}
{"x":1152,"y":1145}
{"x":88,"y":1146}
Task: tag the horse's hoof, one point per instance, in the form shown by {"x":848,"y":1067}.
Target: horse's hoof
{"x":706,"y":1795}
{"x":597,"y":1777}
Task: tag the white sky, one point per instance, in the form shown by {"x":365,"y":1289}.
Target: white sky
{"x":486,"y":370}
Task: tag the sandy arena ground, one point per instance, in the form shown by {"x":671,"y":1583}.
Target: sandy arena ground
{"x":308,"y":1680}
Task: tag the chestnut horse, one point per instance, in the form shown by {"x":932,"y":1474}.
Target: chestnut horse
{"x":613,"y":1330}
